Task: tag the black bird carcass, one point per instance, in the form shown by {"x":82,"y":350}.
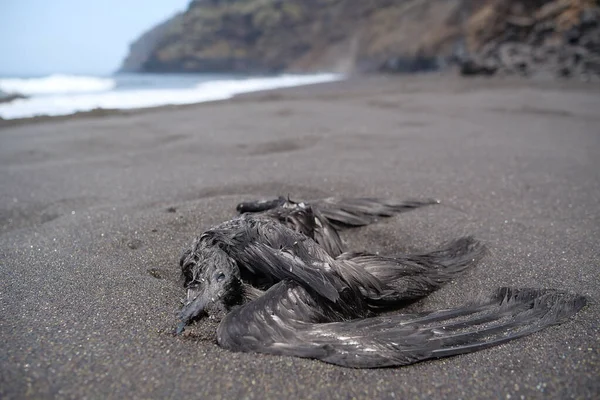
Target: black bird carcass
{"x":277,"y":291}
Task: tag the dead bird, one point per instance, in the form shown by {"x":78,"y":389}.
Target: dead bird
{"x":265,"y":252}
{"x":322,"y":219}
{"x":277,"y":291}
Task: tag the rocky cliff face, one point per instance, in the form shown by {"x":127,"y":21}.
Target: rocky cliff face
{"x":555,"y":38}
{"x":307,"y":35}
{"x":142,"y":49}
{"x":347,"y":35}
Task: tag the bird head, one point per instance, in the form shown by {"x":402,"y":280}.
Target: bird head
{"x":213,"y":284}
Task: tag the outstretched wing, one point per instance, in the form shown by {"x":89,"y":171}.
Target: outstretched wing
{"x":285,"y":321}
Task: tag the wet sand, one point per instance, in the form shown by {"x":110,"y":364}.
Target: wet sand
{"x":94,"y":211}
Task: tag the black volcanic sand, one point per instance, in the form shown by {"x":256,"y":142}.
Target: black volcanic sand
{"x":94,"y":212}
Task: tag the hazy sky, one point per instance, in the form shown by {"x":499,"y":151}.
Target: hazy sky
{"x":74,"y":36}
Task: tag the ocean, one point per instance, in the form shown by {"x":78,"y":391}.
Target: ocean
{"x":61,"y":94}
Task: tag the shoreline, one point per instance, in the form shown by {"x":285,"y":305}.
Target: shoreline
{"x":422,"y":81}
{"x":71,"y":95}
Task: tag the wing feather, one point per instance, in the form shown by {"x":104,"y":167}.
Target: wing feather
{"x":274,"y":324}
{"x":354,"y":212}
{"x":412,"y":276}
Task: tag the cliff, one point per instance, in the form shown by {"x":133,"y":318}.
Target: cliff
{"x":349,"y":35}
{"x":306,"y":35}
{"x":142,"y":48}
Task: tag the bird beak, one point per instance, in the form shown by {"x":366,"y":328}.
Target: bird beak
{"x":191,"y":310}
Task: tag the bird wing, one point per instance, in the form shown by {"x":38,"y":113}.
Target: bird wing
{"x":304,"y":219}
{"x":284,"y":263}
{"x":282,"y":253}
{"x":289,"y":320}
{"x":326,"y":234}
{"x":342,"y":213}
{"x":408,"y":277}
{"x":353,"y":212}
{"x":273,"y":250}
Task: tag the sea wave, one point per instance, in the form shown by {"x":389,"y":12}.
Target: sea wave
{"x":53,"y":105}
{"x":57,"y":84}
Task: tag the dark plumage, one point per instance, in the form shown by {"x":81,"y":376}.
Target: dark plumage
{"x":322,"y":219}
{"x":277,"y":291}
{"x":290,"y":320}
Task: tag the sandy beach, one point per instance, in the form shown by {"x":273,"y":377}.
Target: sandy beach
{"x":95,"y":209}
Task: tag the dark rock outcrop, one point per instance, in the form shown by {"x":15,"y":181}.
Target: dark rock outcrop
{"x":549,"y":38}
{"x":8,"y":97}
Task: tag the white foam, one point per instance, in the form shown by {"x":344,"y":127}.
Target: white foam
{"x":56,"y":84}
{"x":127,"y":99}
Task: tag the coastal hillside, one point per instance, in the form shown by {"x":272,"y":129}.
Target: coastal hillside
{"x":141,"y":50}
{"x":305,"y":35}
{"x":256,"y":36}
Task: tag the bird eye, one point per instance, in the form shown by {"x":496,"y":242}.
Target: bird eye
{"x":220,"y":277}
